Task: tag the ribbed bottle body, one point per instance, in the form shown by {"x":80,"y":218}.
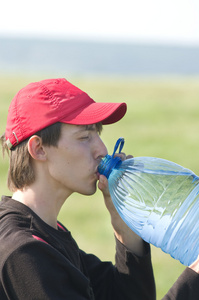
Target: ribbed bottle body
{"x":159,"y":200}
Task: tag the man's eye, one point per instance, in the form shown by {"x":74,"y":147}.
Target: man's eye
{"x":85,"y":137}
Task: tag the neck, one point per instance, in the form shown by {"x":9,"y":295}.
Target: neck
{"x":43,"y":202}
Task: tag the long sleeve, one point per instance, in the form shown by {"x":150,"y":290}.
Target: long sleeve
{"x":185,"y":288}
{"x":131,"y":278}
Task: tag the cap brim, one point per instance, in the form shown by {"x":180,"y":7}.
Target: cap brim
{"x":107,"y":113}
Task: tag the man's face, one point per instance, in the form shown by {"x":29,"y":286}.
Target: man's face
{"x":72,"y":165}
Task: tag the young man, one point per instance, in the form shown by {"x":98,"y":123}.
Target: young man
{"x":52,"y":136}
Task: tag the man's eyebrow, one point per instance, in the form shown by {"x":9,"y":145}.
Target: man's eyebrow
{"x":90,"y":127}
{"x":81,"y":128}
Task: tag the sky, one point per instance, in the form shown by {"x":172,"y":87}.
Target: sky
{"x":154,"y":21}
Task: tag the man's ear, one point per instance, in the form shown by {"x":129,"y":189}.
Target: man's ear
{"x":36,"y":149}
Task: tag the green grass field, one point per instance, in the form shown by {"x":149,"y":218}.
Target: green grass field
{"x":162,"y":121}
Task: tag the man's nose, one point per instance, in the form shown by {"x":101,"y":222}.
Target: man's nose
{"x":102,"y":150}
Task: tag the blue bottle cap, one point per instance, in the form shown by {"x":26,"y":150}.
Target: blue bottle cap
{"x":109,"y":162}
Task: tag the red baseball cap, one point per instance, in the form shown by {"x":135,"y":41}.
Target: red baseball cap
{"x":41,"y":104}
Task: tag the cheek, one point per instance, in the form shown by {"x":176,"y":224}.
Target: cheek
{"x":80,"y":171}
{"x":73,"y":163}
{"x":58,"y":165}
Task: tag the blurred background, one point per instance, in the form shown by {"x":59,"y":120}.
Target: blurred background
{"x":145,"y":53}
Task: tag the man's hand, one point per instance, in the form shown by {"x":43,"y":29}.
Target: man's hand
{"x":122,"y":232}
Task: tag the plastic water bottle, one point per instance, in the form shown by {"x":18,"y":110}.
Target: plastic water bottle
{"x":158,"y":200}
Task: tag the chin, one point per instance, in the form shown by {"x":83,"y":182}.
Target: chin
{"x":89,"y":192}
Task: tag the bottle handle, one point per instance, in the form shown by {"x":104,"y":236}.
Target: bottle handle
{"x":119,"y":144}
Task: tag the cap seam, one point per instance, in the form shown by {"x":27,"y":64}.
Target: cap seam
{"x":83,"y":106}
{"x":50,"y":95}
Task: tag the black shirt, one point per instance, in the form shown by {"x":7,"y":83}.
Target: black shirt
{"x":39,"y":262}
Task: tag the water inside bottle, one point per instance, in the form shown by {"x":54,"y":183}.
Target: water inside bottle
{"x":160,"y":204}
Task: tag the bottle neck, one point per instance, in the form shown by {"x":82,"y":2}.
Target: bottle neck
{"x":111,"y":162}
{"x":107,"y":164}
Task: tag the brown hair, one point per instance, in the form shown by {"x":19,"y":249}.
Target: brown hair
{"x":21,"y":172}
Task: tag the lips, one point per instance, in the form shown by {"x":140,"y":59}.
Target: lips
{"x":98,"y":175}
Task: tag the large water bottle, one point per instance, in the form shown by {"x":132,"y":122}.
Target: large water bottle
{"x":158,"y":200}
